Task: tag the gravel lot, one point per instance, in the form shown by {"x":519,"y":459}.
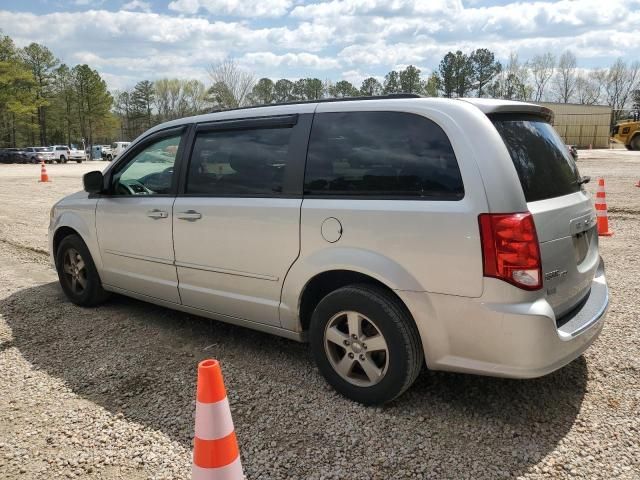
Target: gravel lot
{"x":109,"y":392}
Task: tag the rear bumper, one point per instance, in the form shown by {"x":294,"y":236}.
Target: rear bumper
{"x":489,"y":337}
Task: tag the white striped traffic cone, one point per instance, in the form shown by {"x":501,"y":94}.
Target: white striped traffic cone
{"x":601,"y":210}
{"x":215,"y":450}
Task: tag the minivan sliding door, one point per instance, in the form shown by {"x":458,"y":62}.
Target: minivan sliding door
{"x":236,"y":221}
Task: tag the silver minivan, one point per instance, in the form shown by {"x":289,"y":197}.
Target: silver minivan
{"x":388,"y":232}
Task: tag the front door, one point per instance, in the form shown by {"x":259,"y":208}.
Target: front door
{"x":236,"y":227}
{"x":133,"y":221}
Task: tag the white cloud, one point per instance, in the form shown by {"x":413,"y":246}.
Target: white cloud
{"x":333,"y":39}
{"x":88,"y":2}
{"x":240,"y":8}
{"x":292,"y":60}
{"x":137,"y":5}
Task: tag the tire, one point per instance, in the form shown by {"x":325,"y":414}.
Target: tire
{"x":62,"y":159}
{"x":109,"y":158}
{"x":634,"y":144}
{"x":92,"y":293}
{"x":382,"y":319}
{"x":79,"y":161}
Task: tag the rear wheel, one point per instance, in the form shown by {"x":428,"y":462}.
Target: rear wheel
{"x":365,"y":344}
{"x":63,"y":159}
{"x":78,"y":274}
{"x":635,"y":143}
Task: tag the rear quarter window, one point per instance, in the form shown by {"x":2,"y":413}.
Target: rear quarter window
{"x":545,"y":167}
{"x":381,"y":155}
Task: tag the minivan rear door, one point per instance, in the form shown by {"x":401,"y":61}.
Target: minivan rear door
{"x":562,"y":210}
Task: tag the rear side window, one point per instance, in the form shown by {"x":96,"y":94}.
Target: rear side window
{"x":239,"y":162}
{"x":543,"y":162}
{"x":381,"y":154}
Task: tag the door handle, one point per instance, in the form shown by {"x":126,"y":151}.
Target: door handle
{"x":156,"y":214}
{"x":189,"y":215}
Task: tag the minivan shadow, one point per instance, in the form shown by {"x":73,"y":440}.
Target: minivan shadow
{"x":140,"y":360}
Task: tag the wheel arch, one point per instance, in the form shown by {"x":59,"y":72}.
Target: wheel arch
{"x":353,"y":264}
{"x":59,"y":235}
{"x":323,"y":283}
{"x":77,"y":222}
{"x":635,"y":135}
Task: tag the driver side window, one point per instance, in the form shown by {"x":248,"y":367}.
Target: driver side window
{"x":150,"y":172}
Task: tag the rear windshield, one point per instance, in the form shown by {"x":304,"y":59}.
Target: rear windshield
{"x":545,"y":167}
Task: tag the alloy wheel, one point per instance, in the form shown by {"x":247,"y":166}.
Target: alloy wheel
{"x":356,"y":348}
{"x":75,"y":271}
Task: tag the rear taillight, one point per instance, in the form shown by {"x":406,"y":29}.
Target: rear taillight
{"x":510,"y":249}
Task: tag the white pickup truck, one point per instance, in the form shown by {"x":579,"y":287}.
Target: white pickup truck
{"x":117,"y":148}
{"x":77,"y":154}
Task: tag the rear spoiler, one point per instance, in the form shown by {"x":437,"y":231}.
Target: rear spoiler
{"x":492,"y":107}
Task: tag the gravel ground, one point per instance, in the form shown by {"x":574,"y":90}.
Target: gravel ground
{"x":109,"y":392}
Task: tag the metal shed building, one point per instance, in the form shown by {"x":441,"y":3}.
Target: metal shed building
{"x":582,"y":125}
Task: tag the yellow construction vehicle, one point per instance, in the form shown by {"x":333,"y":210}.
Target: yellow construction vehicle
{"x":627,"y":132}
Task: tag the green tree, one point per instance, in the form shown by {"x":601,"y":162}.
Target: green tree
{"x":313,"y":88}
{"x":432,"y":85}
{"x":65,"y":101}
{"x":41,"y":62}
{"x":94,"y":101}
{"x":143,"y":97}
{"x":299,"y":90}
{"x":221,"y":96}
{"x":391,"y":83}
{"x":283,"y":90}
{"x":370,"y":87}
{"x":342,"y":89}
{"x":410,"y":80}
{"x":263,"y":92}
{"x":17,"y":98}
{"x":456,"y":74}
{"x":485,"y":68}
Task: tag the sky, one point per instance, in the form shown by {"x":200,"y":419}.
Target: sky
{"x":132,"y":40}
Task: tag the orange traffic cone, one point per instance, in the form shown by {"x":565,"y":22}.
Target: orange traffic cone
{"x":43,"y":173}
{"x":601,"y":210}
{"x":215,"y":450}
{"x":638,"y":184}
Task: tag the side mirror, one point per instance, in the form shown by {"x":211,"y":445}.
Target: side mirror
{"x":93,"y":182}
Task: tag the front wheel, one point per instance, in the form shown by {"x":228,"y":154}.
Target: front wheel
{"x":635,"y":143}
{"x":62,"y":159}
{"x":365,"y":344}
{"x":78,"y":274}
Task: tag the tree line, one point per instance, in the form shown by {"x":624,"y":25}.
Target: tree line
{"x":45,"y":102}
{"x":542,"y":78}
{"x":477,"y":74}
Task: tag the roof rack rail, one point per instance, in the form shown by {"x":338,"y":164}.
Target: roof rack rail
{"x":325,"y":100}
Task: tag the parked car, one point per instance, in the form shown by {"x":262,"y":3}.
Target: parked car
{"x":117,"y":148}
{"x":47,"y":153}
{"x":107,"y":153}
{"x":62,"y":153}
{"x":16,"y":155}
{"x":31,"y":154}
{"x":78,"y":155}
{"x":20,"y":155}
{"x":387,"y":232}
